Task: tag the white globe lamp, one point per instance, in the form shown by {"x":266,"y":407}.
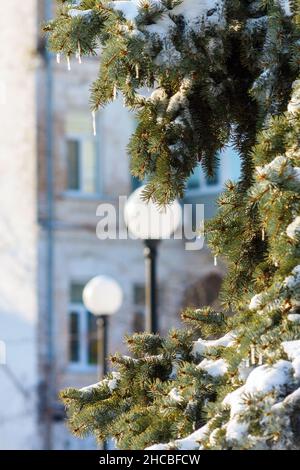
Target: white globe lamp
{"x":146,"y":221}
{"x":102,"y":296}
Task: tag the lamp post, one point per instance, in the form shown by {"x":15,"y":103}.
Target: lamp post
{"x":102,"y":296}
{"x":148,"y":222}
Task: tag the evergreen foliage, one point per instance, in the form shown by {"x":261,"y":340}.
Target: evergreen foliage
{"x":206,"y":75}
{"x":220,"y":71}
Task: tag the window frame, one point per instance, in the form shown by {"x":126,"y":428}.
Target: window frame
{"x":229,"y":169}
{"x":81,"y":138}
{"x":83,"y":337}
{"x":205,"y":188}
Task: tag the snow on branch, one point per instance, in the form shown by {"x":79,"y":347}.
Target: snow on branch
{"x":268,"y":385}
{"x":111,"y":383}
{"x":202,"y":346}
{"x":194,"y":13}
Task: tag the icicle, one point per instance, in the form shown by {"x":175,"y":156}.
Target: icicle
{"x":260,"y":359}
{"x":247,"y":362}
{"x":115,"y":92}
{"x":137,"y":71}
{"x":79,"y":53}
{"x":215,"y":260}
{"x":263,"y":234}
{"x":252,"y":348}
{"x":58,"y":56}
{"x":94,"y":123}
{"x":69,"y":63}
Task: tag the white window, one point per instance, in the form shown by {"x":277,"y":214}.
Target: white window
{"x":82,"y":332}
{"x":82,"y":155}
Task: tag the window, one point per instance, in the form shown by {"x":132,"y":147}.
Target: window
{"x":139,"y":294}
{"x":82,"y":155}
{"x":74,"y":349}
{"x":139,"y":298}
{"x":139,"y":308}
{"x":200,"y":182}
{"x":229,"y":169}
{"x":135,"y":183}
{"x":82,"y":331}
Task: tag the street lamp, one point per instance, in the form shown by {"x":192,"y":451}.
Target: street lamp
{"x":102,"y":296}
{"x":148,"y":222}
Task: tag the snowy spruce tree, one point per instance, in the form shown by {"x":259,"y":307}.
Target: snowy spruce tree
{"x":218,"y":71}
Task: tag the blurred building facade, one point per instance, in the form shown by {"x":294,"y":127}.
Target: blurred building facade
{"x":56,"y":173}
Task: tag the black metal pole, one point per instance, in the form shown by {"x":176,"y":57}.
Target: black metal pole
{"x":150,"y":253}
{"x":102,"y":333}
{"x":104,"y":344}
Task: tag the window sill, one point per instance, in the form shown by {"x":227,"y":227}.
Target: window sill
{"x":81,"y":196}
{"x":81,"y":369}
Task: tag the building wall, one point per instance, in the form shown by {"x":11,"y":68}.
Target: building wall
{"x":18,"y":226}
